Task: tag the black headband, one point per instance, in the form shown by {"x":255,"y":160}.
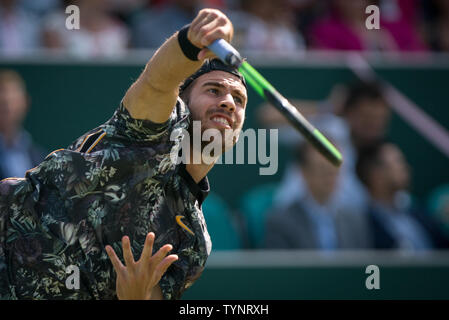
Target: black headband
{"x":209,"y":66}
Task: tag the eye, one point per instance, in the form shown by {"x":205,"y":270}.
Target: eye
{"x":214,"y":91}
{"x":238,"y":100}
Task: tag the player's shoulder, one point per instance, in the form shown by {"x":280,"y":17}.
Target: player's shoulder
{"x":125,"y":126}
{"x":87,"y":140}
{"x":123,"y":131}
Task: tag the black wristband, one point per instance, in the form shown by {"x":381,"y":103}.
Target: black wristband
{"x":189,"y":50}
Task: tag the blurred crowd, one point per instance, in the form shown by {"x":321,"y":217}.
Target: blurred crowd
{"x":110,"y":27}
{"x":366,"y":204}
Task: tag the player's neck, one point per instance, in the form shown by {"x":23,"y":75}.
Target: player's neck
{"x":199,"y":164}
{"x":198,"y":171}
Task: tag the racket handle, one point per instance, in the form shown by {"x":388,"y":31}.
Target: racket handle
{"x":226,"y":52}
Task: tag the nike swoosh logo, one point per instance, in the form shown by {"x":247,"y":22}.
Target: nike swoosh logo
{"x":178,"y":221}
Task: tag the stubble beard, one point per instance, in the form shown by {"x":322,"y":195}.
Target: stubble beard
{"x":229,"y":137}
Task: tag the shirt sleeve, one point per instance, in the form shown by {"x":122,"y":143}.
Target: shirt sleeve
{"x":126,"y":143}
{"x":125,"y":130}
{"x":125,"y":126}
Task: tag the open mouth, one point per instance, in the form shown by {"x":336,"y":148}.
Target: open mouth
{"x":222,"y":121}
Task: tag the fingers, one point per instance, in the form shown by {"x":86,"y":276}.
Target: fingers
{"x":148,"y":247}
{"x":158,"y":260}
{"x":116,"y":263}
{"x":202,"y":19}
{"x":165,"y":264}
{"x":210,"y":29}
{"x":127,"y":253}
{"x":197,"y":23}
{"x":208,"y":26}
{"x":215,"y":30}
{"x":205,"y":54}
{"x":161,"y":253}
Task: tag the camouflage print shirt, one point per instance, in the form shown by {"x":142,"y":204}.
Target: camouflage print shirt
{"x":116,"y":180}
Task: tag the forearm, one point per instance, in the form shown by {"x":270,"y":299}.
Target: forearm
{"x":154,"y":94}
{"x":169,"y":67}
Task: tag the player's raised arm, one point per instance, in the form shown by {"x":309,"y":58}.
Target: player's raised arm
{"x":153,"y":95}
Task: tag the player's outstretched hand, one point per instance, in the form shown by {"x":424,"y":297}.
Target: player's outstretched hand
{"x":136,"y":280}
{"x":208,"y":26}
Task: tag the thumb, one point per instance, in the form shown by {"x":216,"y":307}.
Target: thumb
{"x":205,"y":54}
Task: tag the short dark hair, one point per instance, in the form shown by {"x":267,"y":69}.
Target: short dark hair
{"x":362,"y":90}
{"x":368,"y":158}
{"x":209,"y":66}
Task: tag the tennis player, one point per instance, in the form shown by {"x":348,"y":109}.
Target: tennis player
{"x":116,"y":191}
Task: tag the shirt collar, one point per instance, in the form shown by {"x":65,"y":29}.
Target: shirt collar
{"x":200,"y":190}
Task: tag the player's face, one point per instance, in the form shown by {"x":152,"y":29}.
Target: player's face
{"x":218,"y":99}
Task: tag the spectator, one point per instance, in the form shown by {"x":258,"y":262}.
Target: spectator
{"x":345,"y":29}
{"x":17,"y":151}
{"x":100,"y":34}
{"x":125,"y":10}
{"x":366,"y":112}
{"x":269,"y":26}
{"x":19,"y":30}
{"x":385,"y":173}
{"x":315,"y":220}
{"x":365,"y":118}
{"x":307,"y":12}
{"x":153,"y":26}
{"x":41,"y":7}
{"x":401,"y":19}
{"x":437,"y":28}
{"x":350,"y":194}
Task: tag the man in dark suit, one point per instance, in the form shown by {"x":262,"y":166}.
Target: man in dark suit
{"x":18,"y":153}
{"x":384,"y":170}
{"x":315,"y":220}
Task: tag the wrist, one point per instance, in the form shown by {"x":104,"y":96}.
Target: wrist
{"x":188,"y":48}
{"x":156,"y":293}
